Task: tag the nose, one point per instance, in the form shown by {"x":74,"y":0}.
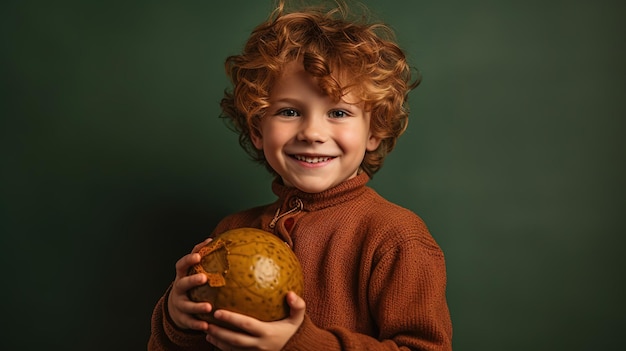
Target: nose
{"x":313,"y":130}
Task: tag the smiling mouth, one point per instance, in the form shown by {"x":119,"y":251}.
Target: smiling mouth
{"x":312,"y":159}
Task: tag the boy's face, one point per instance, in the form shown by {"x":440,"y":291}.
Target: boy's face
{"x":312,"y":142}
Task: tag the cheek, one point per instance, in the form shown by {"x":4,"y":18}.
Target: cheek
{"x":273,"y":138}
{"x":352,"y":139}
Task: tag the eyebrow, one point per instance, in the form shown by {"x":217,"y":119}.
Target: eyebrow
{"x":297,"y":101}
{"x":287,"y":100}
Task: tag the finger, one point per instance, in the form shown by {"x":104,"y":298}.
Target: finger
{"x":245,"y":323}
{"x":184,"y":311}
{"x":181,"y":299}
{"x":201,"y":245}
{"x":226,"y":339}
{"x":182,"y":285}
{"x":297,"y":307}
{"x":193,"y":308}
{"x":189,"y":322}
{"x":185,"y":262}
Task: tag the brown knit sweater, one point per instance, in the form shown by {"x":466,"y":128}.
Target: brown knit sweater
{"x":375,"y":279}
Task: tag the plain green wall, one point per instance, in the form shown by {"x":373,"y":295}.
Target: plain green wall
{"x":114,"y":163}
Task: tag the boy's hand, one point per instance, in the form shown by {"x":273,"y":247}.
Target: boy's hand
{"x":260,"y":335}
{"x":181,"y":309}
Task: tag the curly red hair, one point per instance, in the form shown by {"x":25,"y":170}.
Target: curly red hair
{"x":331,"y":46}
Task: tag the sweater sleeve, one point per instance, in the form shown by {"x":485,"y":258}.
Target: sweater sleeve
{"x":165,"y":336}
{"x":406,"y":298}
{"x":407,"y":295}
{"x":312,"y":338}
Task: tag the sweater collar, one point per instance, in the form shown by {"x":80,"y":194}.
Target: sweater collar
{"x":345,"y":191}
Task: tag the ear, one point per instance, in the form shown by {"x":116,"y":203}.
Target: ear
{"x":372,"y":143}
{"x":256,"y":138}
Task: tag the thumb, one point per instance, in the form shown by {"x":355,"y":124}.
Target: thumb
{"x":297,"y":307}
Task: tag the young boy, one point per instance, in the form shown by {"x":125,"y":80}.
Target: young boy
{"x":321,"y":100}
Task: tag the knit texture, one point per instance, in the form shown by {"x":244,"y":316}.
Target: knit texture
{"x":375,"y":279}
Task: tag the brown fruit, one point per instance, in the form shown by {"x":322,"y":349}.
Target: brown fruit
{"x":249,"y":271}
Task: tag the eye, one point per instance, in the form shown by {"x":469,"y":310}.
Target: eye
{"x":288,"y":112}
{"x":338,"y":114}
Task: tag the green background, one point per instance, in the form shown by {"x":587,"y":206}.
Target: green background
{"x":114,"y":162}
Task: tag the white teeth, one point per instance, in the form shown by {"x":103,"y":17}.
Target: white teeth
{"x":311,"y":159}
